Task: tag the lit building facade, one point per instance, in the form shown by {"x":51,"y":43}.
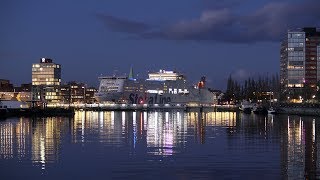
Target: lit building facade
{"x":90,"y":91}
{"x":300,"y":64}
{"x":46,"y":80}
{"x":9,"y":92}
{"x":74,"y":92}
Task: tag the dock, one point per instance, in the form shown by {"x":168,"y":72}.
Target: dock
{"x":144,"y":107}
{"x":68,"y":110}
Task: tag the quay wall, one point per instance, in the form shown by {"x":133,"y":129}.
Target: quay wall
{"x":309,"y":111}
{"x":145,"y":107}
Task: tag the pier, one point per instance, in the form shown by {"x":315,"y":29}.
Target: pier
{"x":144,"y":107}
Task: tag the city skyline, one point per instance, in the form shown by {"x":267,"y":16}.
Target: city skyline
{"x":211,"y":38}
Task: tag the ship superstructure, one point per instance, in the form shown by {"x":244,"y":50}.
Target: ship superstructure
{"x":163,"y":87}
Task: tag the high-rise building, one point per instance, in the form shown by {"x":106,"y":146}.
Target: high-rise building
{"x":300,"y":65}
{"x":46,"y":80}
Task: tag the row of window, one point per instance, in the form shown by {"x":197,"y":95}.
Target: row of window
{"x":292,"y":74}
{"x":44,"y":72}
{"x":52,"y":97}
{"x":295,"y":58}
{"x":46,"y":83}
{"x":295,"y":67}
{"x":300,"y":44}
{"x":46,"y":65}
{"x":296,"y":35}
{"x":295,"y":85}
{"x":296,"y":63}
{"x":46,"y":79}
{"x":78,"y":97}
{"x":295,"y":80}
{"x":296,"y":53}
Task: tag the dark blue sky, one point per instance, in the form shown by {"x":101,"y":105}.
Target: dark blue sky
{"x":197,"y":37}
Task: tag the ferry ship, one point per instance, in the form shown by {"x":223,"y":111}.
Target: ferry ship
{"x":163,"y":87}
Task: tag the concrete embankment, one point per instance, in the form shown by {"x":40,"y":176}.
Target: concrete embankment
{"x":36,"y":112}
{"x":300,"y":109}
{"x":66,"y":110}
{"x":146,"y":107}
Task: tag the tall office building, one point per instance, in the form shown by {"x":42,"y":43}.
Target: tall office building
{"x":46,"y":80}
{"x":300,"y":65}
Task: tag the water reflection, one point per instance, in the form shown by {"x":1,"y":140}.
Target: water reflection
{"x":299,"y":148}
{"x":37,"y":139}
{"x":291,"y":140}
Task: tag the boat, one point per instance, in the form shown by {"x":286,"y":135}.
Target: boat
{"x":271,"y":110}
{"x":3,"y":110}
{"x":246,"y":107}
{"x":160,"y":88}
{"x":259,"y":109}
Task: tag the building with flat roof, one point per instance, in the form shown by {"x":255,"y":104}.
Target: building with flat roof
{"x":76,"y":92}
{"x":300,"y":65}
{"x":46,"y":81}
{"x":6,"y":86}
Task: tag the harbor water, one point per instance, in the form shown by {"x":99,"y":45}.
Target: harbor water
{"x":167,"y":144}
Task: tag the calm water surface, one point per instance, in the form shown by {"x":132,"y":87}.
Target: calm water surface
{"x":160,"y":145}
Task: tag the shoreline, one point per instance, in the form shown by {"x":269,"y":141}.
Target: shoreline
{"x":69,"y":112}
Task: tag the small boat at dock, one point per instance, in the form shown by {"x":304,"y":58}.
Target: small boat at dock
{"x":271,"y":110}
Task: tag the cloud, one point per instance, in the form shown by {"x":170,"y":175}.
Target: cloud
{"x":221,"y":4}
{"x":267,"y":23}
{"x":122,"y":25}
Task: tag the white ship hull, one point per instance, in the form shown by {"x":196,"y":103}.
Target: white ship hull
{"x":154,"y":91}
{"x":201,"y":97}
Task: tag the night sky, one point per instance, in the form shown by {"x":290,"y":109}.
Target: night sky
{"x":214,"y":38}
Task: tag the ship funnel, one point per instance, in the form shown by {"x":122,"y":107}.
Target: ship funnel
{"x":202,"y":82}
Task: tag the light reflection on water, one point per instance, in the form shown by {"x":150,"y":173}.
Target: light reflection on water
{"x":221,"y":144}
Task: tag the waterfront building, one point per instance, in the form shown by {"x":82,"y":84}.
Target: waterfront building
{"x":74,"y":92}
{"x":46,"y":80}
{"x":90,"y":91}
{"x":300,"y":65}
{"x":10,"y":93}
{"x":15,"y":96}
{"x":6,"y":86}
{"x":23,"y":88}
